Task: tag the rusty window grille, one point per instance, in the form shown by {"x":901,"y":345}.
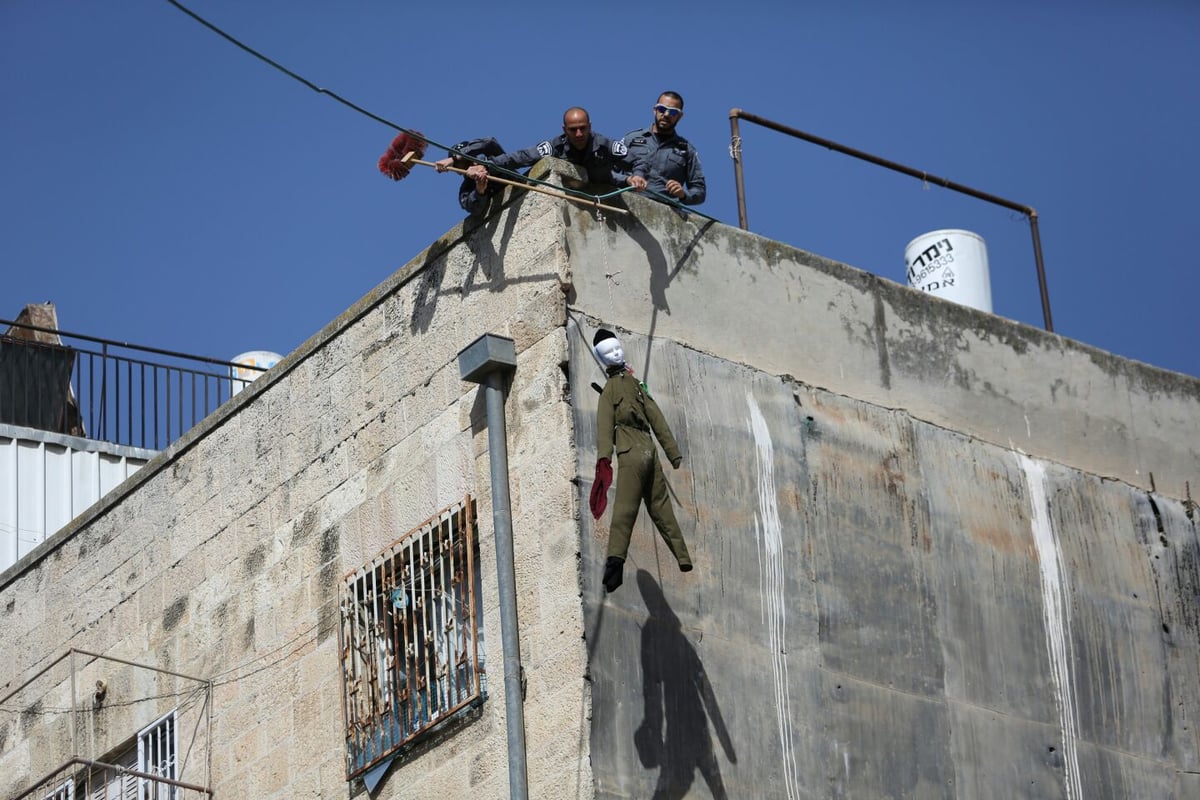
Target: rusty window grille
{"x":410,"y":639}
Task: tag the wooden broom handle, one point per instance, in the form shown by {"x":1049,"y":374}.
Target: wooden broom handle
{"x":409,"y":159}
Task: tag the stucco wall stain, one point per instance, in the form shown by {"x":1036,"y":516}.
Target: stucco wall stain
{"x":31,"y":714}
{"x":254,"y":561}
{"x":174,"y":613}
{"x":1057,"y":617}
{"x":1000,"y":538}
{"x":881,"y":346}
{"x":306,"y":526}
{"x":768,"y":535}
{"x":932,"y":356}
{"x":327,"y":584}
{"x":329,"y":545}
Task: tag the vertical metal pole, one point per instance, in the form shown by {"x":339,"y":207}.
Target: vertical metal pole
{"x":1041,"y":269}
{"x":487,"y":361}
{"x":208,"y":712}
{"x":735,"y":152}
{"x":507,"y":579}
{"x":74,"y":713}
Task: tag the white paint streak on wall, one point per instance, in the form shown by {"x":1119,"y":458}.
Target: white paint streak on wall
{"x":1057,"y":610}
{"x":772,"y":591}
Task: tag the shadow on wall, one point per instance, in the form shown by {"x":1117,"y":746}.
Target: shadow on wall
{"x":661,"y":274}
{"x":674,"y":735}
{"x":478,"y":231}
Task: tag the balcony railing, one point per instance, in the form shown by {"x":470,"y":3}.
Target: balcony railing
{"x":81,"y":778}
{"x":101,"y":742}
{"x":111,"y":391}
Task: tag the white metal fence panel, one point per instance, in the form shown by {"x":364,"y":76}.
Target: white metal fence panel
{"x":48,"y":479}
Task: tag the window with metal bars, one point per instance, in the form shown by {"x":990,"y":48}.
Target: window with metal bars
{"x":64,"y":791}
{"x":156,"y":755}
{"x":410,"y":638}
{"x":119,"y":775}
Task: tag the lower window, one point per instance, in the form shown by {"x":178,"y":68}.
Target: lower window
{"x":151,"y":752}
{"x":410,"y":638}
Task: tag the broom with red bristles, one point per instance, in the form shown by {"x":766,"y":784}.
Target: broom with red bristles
{"x":409,"y":146}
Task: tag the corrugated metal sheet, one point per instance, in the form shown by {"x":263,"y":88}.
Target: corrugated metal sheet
{"x":47,"y":479}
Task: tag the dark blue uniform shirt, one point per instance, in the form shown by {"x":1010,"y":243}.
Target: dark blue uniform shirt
{"x":669,"y":158}
{"x":468,"y":198}
{"x":604,"y":161}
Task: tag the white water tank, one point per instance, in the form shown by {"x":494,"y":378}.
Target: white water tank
{"x":240,"y":376}
{"x":951,"y":264}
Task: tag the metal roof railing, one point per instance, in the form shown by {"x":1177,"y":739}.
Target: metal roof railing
{"x":110,"y":391}
{"x":735,"y":151}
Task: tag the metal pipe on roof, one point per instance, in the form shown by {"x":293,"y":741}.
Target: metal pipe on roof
{"x":1028,"y":211}
{"x":735,"y":152}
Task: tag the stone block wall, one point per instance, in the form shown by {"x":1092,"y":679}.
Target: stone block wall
{"x":222,"y":558}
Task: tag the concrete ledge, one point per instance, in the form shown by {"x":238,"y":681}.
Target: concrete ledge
{"x":79,"y":443}
{"x":751,"y":300}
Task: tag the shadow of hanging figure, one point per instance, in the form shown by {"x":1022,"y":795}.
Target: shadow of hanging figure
{"x":679,"y":702}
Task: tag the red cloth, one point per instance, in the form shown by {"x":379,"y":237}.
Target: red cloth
{"x":603,"y":480}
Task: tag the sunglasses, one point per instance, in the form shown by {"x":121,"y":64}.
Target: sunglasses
{"x":670,"y":112}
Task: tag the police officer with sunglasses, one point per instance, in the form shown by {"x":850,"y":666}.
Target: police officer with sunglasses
{"x":672,"y":161}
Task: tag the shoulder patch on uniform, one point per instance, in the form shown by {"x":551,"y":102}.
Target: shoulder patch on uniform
{"x":545,"y":148}
{"x":618,"y":148}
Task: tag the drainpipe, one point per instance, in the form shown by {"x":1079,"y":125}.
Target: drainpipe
{"x":489,"y":360}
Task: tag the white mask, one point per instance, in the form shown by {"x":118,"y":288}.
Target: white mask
{"x":610,"y":353}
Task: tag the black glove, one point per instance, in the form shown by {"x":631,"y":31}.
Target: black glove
{"x":614,"y":570}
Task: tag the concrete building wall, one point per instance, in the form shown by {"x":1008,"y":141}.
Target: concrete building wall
{"x":931,"y":558}
{"x":885,"y":608}
{"x":938,"y":553}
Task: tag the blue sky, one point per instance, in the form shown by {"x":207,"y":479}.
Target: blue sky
{"x":163,"y":187}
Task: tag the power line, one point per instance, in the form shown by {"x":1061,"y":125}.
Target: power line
{"x":355,"y":107}
{"x":300,"y":78}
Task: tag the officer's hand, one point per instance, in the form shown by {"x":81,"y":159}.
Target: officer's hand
{"x":444,"y":164}
{"x":675,"y":189}
{"x":637,"y":182}
{"x":477,"y":172}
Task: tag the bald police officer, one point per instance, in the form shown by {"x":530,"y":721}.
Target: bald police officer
{"x":673,"y":164}
{"x":605,"y":161}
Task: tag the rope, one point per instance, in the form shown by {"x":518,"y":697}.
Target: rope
{"x":369,"y":114}
{"x":665,"y":199}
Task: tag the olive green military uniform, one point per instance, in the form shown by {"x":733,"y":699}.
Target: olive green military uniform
{"x":625,"y":418}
